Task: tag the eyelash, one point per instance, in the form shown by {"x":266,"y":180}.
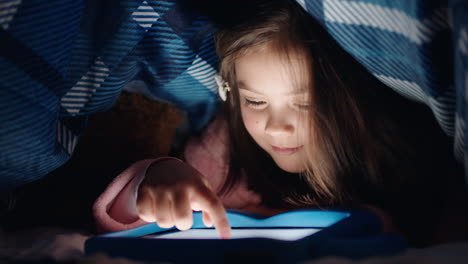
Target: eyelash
{"x":254,"y":104}
{"x":259,"y":105}
{"x":302,"y":106}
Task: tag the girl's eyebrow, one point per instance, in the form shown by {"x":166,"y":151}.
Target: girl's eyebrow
{"x":242,"y":85}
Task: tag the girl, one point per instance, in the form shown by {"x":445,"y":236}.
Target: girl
{"x":303,"y":125}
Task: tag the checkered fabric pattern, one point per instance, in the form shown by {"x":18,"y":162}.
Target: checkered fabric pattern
{"x":418,"y":48}
{"x":62,"y":60}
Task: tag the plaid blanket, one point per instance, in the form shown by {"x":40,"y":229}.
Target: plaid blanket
{"x":418,"y":48}
{"x":62,"y":60}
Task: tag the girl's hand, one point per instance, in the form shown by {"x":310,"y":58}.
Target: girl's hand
{"x":169,"y":193}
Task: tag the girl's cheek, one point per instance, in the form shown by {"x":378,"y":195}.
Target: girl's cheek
{"x":252,"y":121}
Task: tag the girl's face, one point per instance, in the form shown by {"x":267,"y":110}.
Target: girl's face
{"x":274,"y":107}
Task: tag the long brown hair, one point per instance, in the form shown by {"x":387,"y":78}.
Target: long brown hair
{"x":353,"y":144}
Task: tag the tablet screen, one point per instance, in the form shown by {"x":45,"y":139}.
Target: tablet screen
{"x":288,"y":234}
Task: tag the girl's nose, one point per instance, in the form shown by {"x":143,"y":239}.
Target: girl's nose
{"x":279,"y":126}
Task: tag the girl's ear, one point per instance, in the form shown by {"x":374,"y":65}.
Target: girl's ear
{"x":223,"y":87}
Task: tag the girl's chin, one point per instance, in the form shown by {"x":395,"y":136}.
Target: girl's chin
{"x":291,"y":168}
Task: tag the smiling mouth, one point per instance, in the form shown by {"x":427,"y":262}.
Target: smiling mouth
{"x":285,"y":151}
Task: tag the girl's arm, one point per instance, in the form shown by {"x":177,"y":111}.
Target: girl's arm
{"x":115,"y":208}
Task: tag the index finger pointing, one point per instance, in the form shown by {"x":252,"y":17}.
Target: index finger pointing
{"x":211,"y":205}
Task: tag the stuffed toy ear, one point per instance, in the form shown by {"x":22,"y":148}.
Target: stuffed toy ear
{"x":223,"y":87}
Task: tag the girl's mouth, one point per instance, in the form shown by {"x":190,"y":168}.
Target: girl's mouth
{"x":285,"y":151}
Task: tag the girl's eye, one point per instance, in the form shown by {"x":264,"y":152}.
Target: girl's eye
{"x":302,"y":106}
{"x":254,"y":104}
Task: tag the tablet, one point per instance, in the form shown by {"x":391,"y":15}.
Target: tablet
{"x":287,"y":234}
{"x":288,"y":237}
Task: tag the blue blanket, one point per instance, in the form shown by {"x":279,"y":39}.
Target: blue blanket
{"x":62,"y":60}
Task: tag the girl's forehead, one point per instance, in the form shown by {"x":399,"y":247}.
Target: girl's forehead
{"x":261,"y":68}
